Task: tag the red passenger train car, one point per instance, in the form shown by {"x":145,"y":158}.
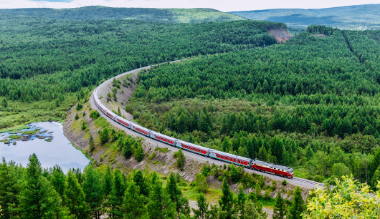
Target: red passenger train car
{"x":272,"y":168}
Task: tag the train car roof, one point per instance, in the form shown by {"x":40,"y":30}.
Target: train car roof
{"x":231,"y":155}
{"x":121,"y":118}
{"x":168,"y":137}
{"x":272,"y":165}
{"x":110,"y":112}
{"x":193,"y":145}
{"x":139,"y":126}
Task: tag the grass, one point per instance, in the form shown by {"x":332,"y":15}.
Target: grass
{"x":18,"y":114}
{"x":300,"y":172}
{"x":14,"y":136}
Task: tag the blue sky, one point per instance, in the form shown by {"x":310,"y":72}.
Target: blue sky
{"x":222,"y":5}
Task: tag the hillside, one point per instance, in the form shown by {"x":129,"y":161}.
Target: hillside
{"x":49,"y":62}
{"x":310,"y":103}
{"x":356,"y":17}
{"x":144,"y":14}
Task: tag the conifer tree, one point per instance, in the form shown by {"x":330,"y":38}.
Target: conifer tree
{"x":139,"y":153}
{"x":297,"y":206}
{"x":175,"y":195}
{"x":227,"y":201}
{"x":74,"y":197}
{"x":127,"y":149}
{"x":38,"y":195}
{"x":160,"y":205}
{"x":91,"y":143}
{"x":201,"y":212}
{"x":92,"y":188}
{"x":279,"y":211}
{"x":107,"y":182}
{"x":241,"y":200}
{"x":133,"y":202}
{"x":116,"y":197}
{"x":58,"y":179}
{"x":139,"y":179}
{"x":5,"y":103}
{"x":9,"y":190}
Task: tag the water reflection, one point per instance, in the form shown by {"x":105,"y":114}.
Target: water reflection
{"x":48,"y":143}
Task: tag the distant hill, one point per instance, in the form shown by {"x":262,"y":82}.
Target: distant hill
{"x":350,"y":17}
{"x":145,"y":14}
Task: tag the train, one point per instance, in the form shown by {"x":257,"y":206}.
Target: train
{"x":248,"y":163}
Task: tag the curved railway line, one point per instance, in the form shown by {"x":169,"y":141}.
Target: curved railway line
{"x":102,"y":87}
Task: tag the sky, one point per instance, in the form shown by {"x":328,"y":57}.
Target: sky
{"x":222,"y":5}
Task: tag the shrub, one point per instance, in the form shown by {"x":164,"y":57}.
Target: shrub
{"x":274,"y":185}
{"x":104,"y":136}
{"x":201,"y":183}
{"x":206,"y":170}
{"x":84,"y":126}
{"x":180,"y":159}
{"x":76,"y":116}
{"x":284,"y":182}
{"x":267,"y":193}
{"x":152,"y":156}
{"x":79,"y":106}
{"x":94,"y":114}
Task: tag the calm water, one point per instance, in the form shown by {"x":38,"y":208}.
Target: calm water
{"x":51,"y":147}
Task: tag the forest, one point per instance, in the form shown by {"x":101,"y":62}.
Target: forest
{"x":310,"y":103}
{"x":49,"y":62}
{"x":34,"y":192}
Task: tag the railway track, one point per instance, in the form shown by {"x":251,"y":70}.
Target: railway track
{"x":102,"y":87}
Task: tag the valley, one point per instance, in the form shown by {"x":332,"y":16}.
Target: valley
{"x":289,"y":92}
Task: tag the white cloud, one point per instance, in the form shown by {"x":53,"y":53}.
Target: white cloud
{"x":223,"y":5}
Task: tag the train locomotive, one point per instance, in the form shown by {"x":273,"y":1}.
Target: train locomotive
{"x":197,"y":149}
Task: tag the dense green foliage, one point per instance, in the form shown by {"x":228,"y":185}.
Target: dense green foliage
{"x":48,"y":61}
{"x":198,"y":15}
{"x":311,"y":102}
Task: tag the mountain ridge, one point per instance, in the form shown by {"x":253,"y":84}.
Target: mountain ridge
{"x":357,"y":17}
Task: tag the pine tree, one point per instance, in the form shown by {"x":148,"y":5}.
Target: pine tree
{"x":279,"y":211}
{"x":37,"y":198}
{"x":297,"y":206}
{"x":133,"y":202}
{"x":92,"y":188}
{"x":116,"y":197}
{"x":139,"y":153}
{"x":91,"y":143}
{"x":127,"y":149}
{"x":74,"y":197}
{"x":107,"y":182}
{"x":9,"y":190}
{"x":160,"y":205}
{"x":227,"y":201}
{"x":58,"y":179}
{"x":175,"y":195}
{"x":241,"y":202}
{"x":180,"y":159}
{"x":5,"y":103}
{"x":201,"y":212}
{"x":139,"y":179}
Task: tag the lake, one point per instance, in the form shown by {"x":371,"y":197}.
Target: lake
{"x":47,"y":141}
